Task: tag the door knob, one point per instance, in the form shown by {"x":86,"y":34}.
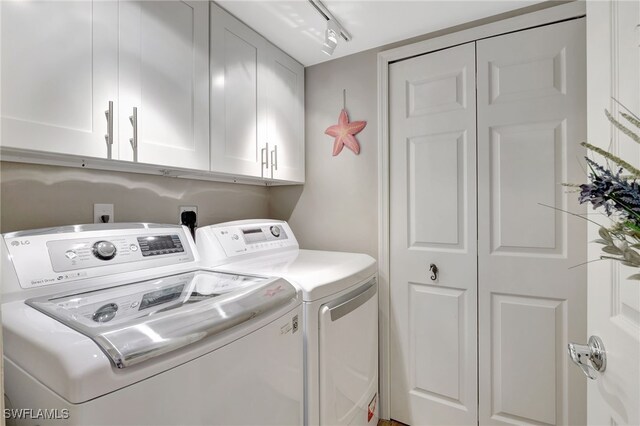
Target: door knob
{"x":434,"y":271}
{"x":591,"y":358}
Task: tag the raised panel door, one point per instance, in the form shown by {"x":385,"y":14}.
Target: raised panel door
{"x":613,"y":75}
{"x":433,"y":221}
{"x":285,"y":117}
{"x":164,"y":74}
{"x":59,"y":73}
{"x":238,"y":97}
{"x":531,"y":289}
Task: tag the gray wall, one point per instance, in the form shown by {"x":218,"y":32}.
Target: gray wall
{"x":337,"y":207}
{"x":34,"y":196}
{"x":335,"y":210}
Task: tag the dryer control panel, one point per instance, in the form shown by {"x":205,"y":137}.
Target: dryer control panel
{"x":229,"y":240}
{"x":248,"y":239}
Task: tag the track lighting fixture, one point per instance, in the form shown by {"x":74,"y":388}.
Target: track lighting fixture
{"x":334,"y":30}
{"x":331,"y":35}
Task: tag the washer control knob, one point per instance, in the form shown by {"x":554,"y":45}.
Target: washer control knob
{"x":275,"y":231}
{"x":105,"y":313}
{"x":104,"y":250}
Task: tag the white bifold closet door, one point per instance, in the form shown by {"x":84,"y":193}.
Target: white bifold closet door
{"x":433,"y":221}
{"x":531,"y":302}
{"x":485,"y":342}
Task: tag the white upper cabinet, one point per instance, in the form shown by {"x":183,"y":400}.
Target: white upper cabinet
{"x":257,"y":104}
{"x":164,"y":72}
{"x":285,"y":116}
{"x":188,"y":86}
{"x":59,"y":72}
{"x":64,"y":62}
{"x":238,"y":98}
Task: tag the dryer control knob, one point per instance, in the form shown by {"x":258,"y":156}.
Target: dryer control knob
{"x":275,"y":231}
{"x":104,"y":250}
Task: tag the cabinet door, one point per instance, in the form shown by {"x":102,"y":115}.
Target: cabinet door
{"x":59,"y":72}
{"x":285,"y":117}
{"x":164,"y":73}
{"x":238,"y":96}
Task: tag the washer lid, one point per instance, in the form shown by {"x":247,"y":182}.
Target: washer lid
{"x":134,"y":322}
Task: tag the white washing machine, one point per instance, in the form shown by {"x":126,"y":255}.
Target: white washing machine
{"x":119,"y":325}
{"x":340,"y":299}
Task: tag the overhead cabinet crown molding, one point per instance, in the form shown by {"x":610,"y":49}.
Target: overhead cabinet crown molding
{"x":128,"y":86}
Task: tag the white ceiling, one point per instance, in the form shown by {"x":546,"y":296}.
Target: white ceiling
{"x":297,"y":28}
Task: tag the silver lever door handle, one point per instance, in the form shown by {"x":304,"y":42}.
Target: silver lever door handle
{"x":591,"y":358}
{"x":134,"y":140}
{"x":109,"y":136}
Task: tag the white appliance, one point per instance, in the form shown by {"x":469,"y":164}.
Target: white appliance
{"x":340,"y":299}
{"x":116,"y":324}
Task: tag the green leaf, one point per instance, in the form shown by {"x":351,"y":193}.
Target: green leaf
{"x":631,"y":119}
{"x":632,"y":256}
{"x":601,"y":241}
{"x":622,"y":128}
{"x":609,"y":156}
{"x":632,"y":226}
{"x":612,"y":250}
{"x":634,"y":277}
{"x":604,"y":233}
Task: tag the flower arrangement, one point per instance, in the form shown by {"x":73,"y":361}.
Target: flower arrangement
{"x":615,"y":188}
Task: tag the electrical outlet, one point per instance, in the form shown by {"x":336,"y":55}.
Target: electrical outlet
{"x":100,"y":210}
{"x":187,"y":209}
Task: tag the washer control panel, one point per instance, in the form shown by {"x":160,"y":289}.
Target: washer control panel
{"x":55,"y":257}
{"x":160,"y":244}
{"x":68,"y":255}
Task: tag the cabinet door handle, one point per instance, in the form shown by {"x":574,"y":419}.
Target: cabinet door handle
{"x":109,"y":136}
{"x":274,"y":159}
{"x":134,"y":140}
{"x":276,"y":150}
{"x":264,"y":158}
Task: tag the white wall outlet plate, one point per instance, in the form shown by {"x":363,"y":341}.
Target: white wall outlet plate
{"x":187,"y":209}
{"x":100,"y":210}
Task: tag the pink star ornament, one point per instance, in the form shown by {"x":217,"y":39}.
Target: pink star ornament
{"x":345,"y":132}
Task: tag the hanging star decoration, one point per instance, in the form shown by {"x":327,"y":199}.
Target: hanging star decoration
{"x":345,"y":132}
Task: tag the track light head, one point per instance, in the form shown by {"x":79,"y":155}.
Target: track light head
{"x":331,"y":35}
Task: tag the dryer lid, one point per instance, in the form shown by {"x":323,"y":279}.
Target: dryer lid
{"x":318,"y":273}
{"x":137,"y":321}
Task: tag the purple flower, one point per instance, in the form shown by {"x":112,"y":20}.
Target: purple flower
{"x":611,"y":191}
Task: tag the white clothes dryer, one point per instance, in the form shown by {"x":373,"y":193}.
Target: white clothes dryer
{"x":340,"y":320}
{"x":119,"y":325}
